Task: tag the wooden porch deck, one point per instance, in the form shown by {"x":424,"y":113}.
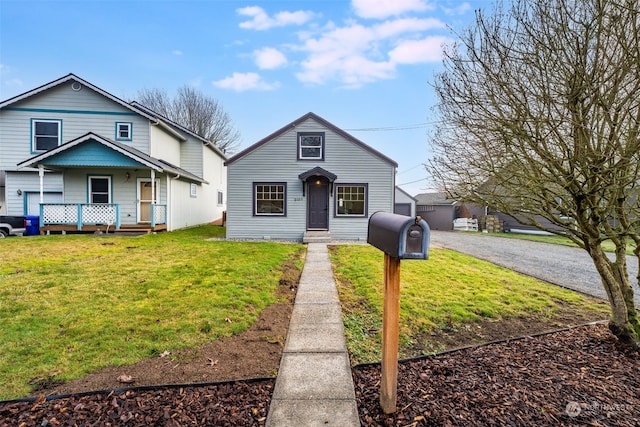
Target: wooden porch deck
{"x":128,"y":230}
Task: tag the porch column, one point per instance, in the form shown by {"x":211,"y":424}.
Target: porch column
{"x":153,"y":198}
{"x":41,"y":176}
{"x":153,"y":187}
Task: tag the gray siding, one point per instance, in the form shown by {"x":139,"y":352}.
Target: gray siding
{"x":276,"y":161}
{"x":80,"y":112}
{"x":28,"y":182}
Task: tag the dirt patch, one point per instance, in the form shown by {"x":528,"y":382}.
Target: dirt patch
{"x":448,"y":338}
{"x":254,"y":353}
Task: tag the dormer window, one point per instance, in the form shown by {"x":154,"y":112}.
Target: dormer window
{"x":123,"y":131}
{"x":46,"y":134}
{"x":311,"y":146}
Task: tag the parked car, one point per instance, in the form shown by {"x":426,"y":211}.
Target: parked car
{"x":12,"y":226}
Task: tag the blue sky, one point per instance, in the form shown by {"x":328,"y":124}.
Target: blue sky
{"x":364,"y":65}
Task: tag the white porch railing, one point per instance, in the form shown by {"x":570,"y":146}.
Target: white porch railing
{"x":81,"y":214}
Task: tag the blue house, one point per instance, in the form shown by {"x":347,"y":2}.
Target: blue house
{"x":83,"y":160}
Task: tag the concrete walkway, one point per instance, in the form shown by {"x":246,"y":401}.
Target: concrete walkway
{"x":314,"y":386}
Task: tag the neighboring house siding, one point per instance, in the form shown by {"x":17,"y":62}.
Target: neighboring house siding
{"x":28,"y":182}
{"x":405,"y":201}
{"x":276,"y":161}
{"x":79,"y":112}
{"x":165,"y":146}
{"x":203,"y":207}
{"x":191,"y":156}
{"x":439,"y":217}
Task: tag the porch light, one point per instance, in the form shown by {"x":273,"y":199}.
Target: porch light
{"x":19,"y":191}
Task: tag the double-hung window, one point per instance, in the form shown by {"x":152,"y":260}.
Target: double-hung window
{"x":311,"y":146}
{"x":99,"y":189}
{"x":351,"y":200}
{"x":46,"y":134}
{"x":123,"y":131}
{"x":270,"y":198}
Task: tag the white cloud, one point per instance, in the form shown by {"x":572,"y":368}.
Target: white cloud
{"x":348,"y":54}
{"x":406,"y":25}
{"x":356,"y":54}
{"x":269,"y":58}
{"x":380,"y":9}
{"x":241,"y":82}
{"x":260,"y":20}
{"x":417,"y":51}
{"x":458,"y":10}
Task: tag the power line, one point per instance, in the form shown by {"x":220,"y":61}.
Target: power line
{"x":392,"y":128}
{"x":412,"y":182}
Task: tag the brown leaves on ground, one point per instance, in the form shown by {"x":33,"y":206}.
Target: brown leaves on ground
{"x":575,"y":377}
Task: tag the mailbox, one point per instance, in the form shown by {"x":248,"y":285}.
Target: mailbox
{"x":399,"y":236}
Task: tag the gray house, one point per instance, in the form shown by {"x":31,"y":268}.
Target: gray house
{"x":82,"y":159}
{"x":307,"y":180}
{"x":437,"y":210}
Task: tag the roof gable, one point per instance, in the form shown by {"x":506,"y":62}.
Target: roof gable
{"x":322,"y":122}
{"x":91,"y":153}
{"x":71,"y":78}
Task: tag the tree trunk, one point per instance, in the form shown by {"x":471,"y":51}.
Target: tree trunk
{"x":624,"y":323}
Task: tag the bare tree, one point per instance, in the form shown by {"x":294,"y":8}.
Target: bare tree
{"x":198,"y":113}
{"x":539,"y":106}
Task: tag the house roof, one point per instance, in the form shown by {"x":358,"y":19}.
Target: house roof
{"x":170,"y":122}
{"x":318,"y":171}
{"x":70,"y":78}
{"x":297,"y":122}
{"x":434,"y":199}
{"x":54,"y":157}
{"x":405,"y":193}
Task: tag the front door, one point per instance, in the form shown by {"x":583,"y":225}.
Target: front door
{"x":318,"y":204}
{"x":145,"y":200}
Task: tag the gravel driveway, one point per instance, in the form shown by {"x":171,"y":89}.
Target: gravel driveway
{"x":561,"y":265}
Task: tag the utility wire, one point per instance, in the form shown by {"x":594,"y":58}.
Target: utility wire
{"x":392,"y":128}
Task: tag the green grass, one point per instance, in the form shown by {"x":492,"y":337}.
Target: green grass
{"x":72,"y":304}
{"x":446,"y":292}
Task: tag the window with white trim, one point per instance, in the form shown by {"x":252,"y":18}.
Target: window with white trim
{"x":99,"y":189}
{"x":351,"y":200}
{"x":46,"y":134}
{"x":220,"y":198}
{"x":123,"y":131}
{"x":310,"y":146}
{"x":269,"y":198}
{"x":194,"y":190}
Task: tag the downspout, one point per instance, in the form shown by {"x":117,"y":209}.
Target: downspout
{"x":169,"y":197}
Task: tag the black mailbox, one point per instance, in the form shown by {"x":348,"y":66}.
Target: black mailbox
{"x":399,"y":236}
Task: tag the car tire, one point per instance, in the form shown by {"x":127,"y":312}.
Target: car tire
{"x":3,"y":234}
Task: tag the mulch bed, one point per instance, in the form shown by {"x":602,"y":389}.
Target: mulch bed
{"x":575,"y":377}
{"x":240,"y":403}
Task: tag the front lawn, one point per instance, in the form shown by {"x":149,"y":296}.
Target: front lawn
{"x":73,"y":304}
{"x":449,"y":300}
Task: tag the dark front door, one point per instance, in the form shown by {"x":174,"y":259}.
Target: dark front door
{"x":318,"y":204}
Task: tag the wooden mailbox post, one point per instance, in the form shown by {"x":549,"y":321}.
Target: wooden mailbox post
{"x":399,"y":237}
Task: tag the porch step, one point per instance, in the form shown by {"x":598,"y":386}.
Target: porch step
{"x":321,"y":236}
